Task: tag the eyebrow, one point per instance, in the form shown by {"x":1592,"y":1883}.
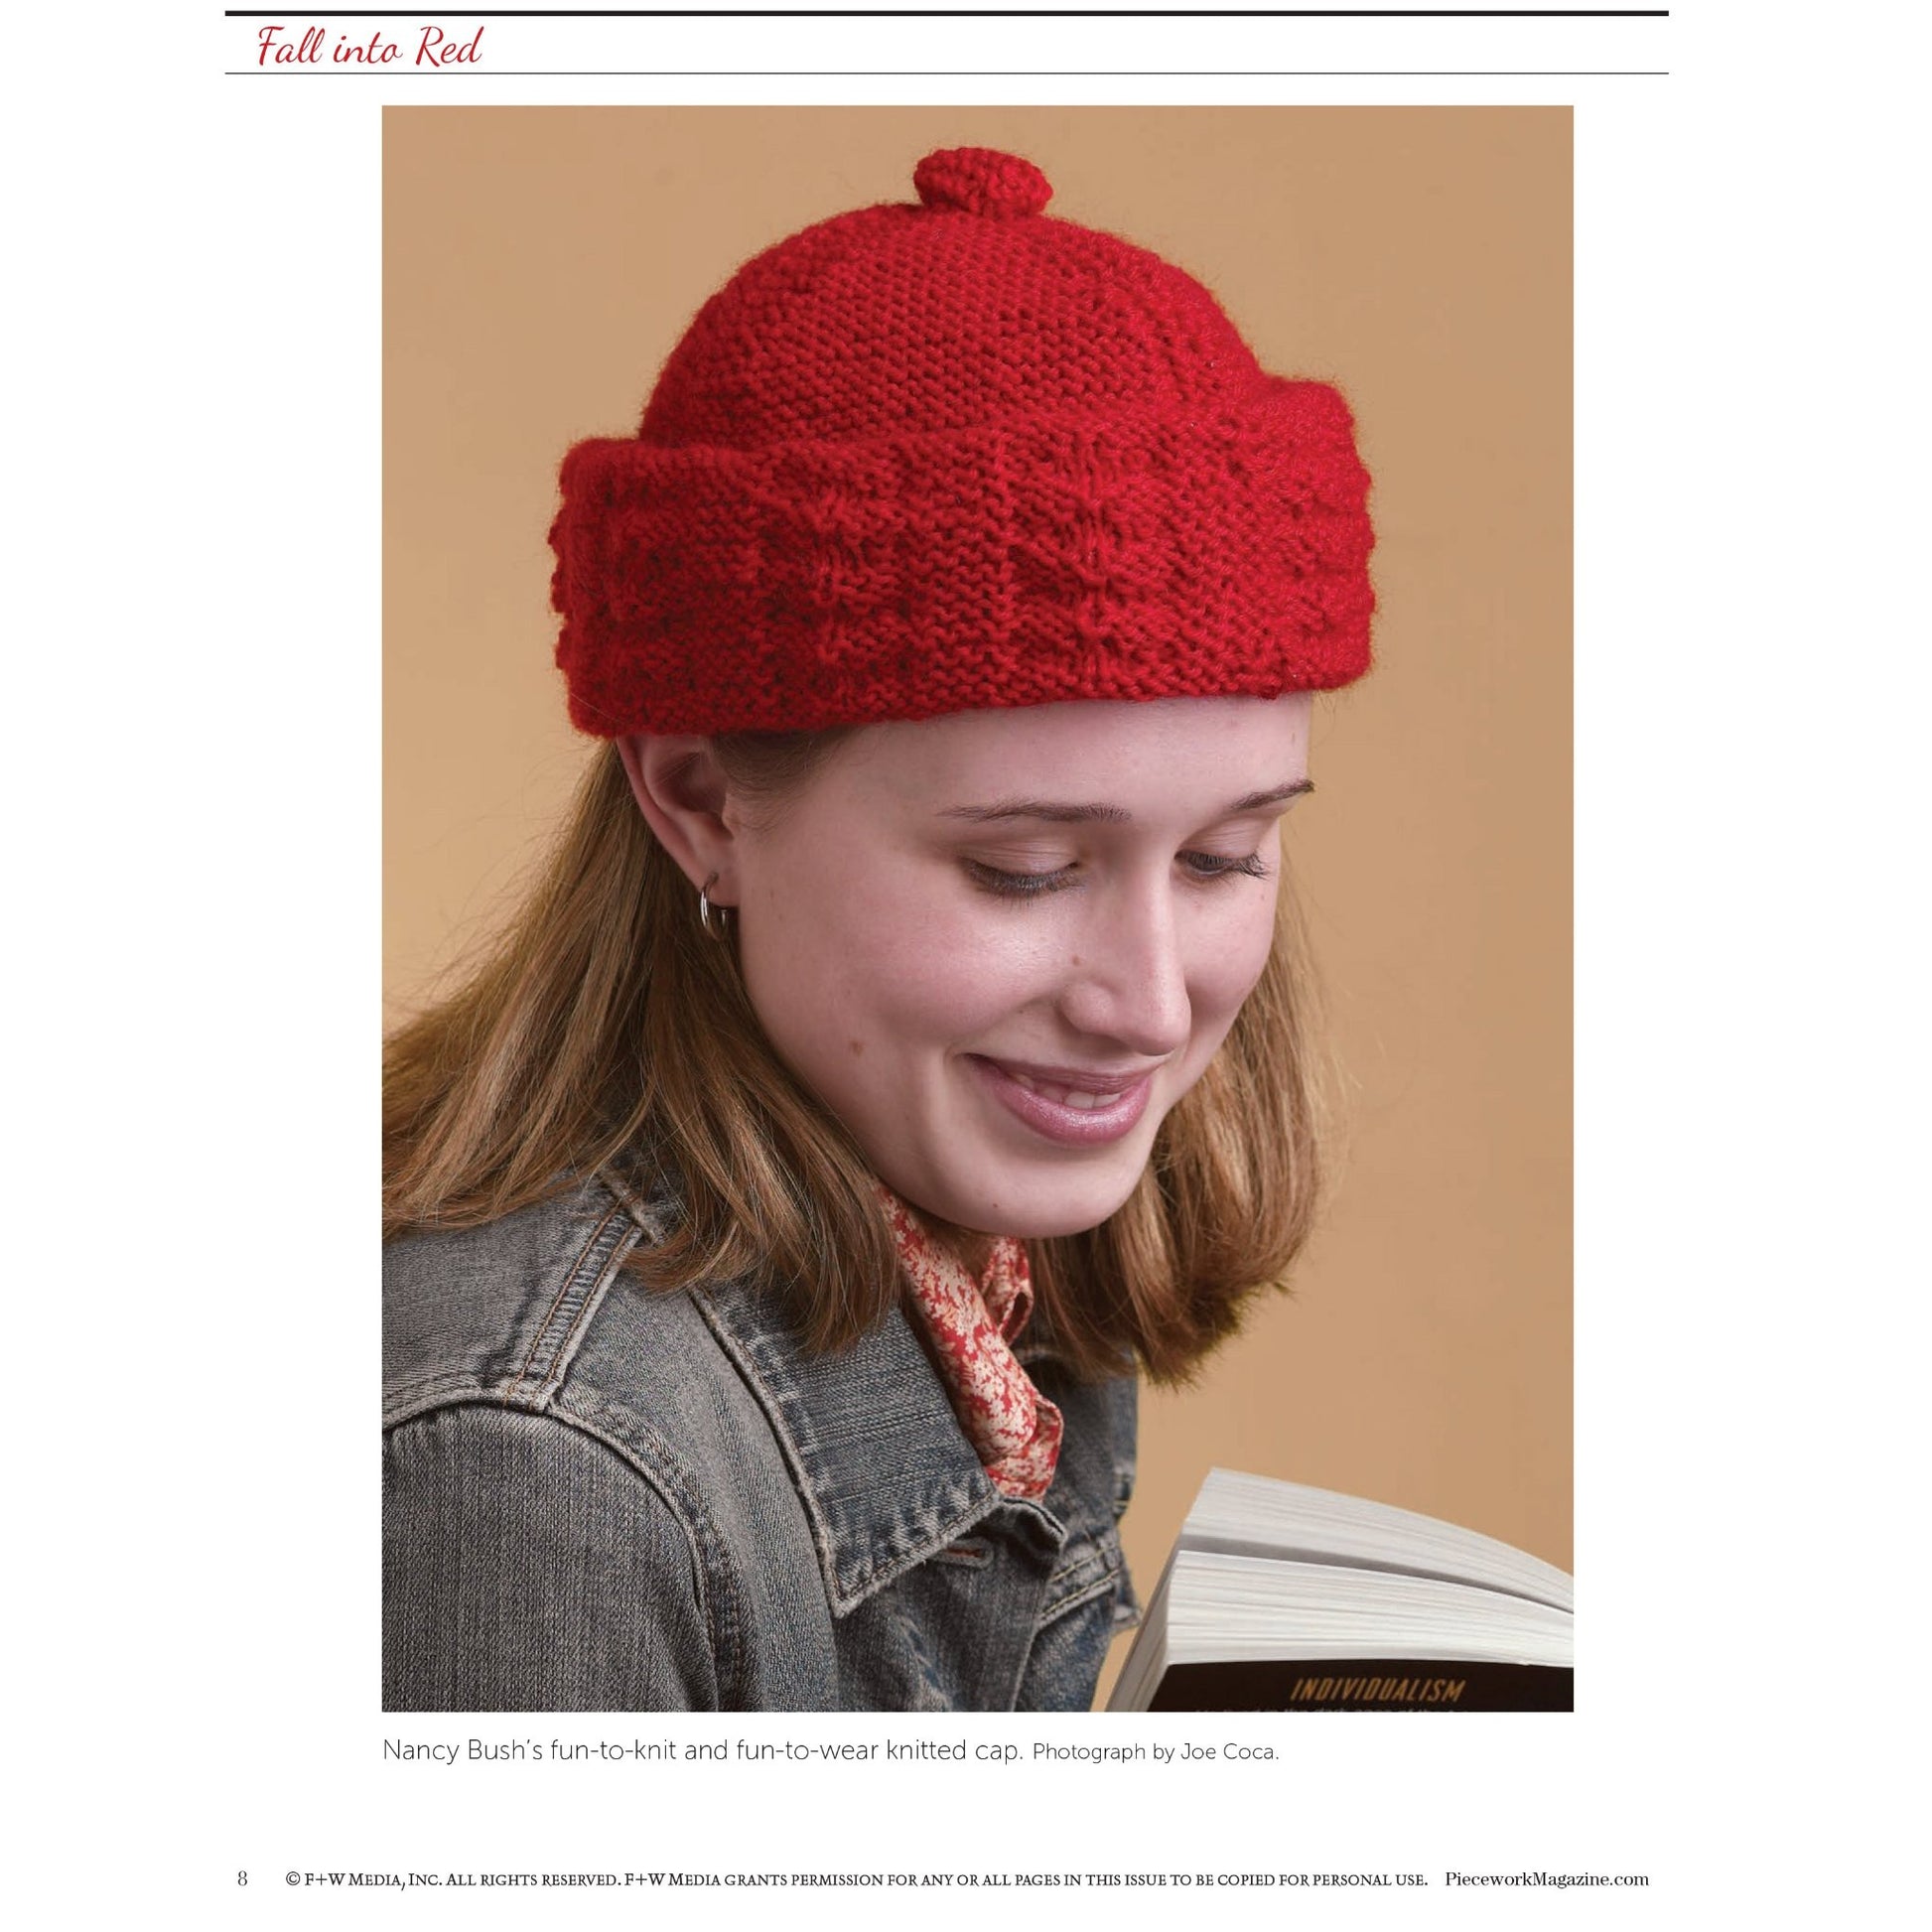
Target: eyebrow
{"x":1058,"y":814}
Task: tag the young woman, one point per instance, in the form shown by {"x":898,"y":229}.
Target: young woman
{"x":907,"y":1043}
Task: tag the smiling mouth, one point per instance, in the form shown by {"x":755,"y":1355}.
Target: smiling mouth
{"x":1082,"y":1099}
{"x":1071,"y":1106}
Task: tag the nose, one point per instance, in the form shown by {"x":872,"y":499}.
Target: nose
{"x":1127,"y":981}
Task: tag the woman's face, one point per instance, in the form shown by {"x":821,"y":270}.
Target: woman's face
{"x":1001,"y":945}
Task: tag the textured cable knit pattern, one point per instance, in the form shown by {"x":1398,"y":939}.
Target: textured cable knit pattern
{"x":1014,"y":1430}
{"x":952,"y":457}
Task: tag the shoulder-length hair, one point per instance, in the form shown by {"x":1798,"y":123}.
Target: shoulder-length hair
{"x":605,"y":1029}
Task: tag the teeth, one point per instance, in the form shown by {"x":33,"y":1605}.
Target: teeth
{"x":1073,"y":1097}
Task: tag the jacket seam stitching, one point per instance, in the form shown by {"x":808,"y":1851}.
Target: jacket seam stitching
{"x":572,"y":1276}
{"x":1058,"y":1607}
{"x":453,"y":1389}
{"x":788,"y":1448}
{"x":593,"y":1300}
{"x":664,"y":1474}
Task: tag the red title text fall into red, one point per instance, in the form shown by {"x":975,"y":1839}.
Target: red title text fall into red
{"x":281,"y":46}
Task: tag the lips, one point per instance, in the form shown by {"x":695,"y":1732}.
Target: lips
{"x":1071,"y":1106}
{"x":1065,"y":1093}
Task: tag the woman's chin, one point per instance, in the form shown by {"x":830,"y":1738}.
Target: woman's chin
{"x":1039,"y":1207}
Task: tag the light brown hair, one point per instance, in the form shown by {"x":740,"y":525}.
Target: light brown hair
{"x":604,"y":1029}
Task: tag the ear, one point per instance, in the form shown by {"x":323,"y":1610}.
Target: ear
{"x":680,"y":788}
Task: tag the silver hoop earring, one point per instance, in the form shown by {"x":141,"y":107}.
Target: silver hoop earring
{"x":716,"y":919}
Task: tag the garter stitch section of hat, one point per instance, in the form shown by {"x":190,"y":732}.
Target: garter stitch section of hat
{"x":958,"y":454}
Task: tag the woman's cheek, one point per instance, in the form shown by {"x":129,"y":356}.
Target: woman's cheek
{"x":952,"y":984}
{"x":1235,"y":960}
{"x":960,"y":961}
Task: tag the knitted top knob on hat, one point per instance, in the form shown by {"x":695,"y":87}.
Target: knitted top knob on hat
{"x":958,"y":456}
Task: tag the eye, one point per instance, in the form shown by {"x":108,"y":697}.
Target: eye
{"x":1220,"y":864}
{"x":1019,"y":885}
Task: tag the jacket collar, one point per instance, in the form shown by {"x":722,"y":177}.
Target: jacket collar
{"x":885,"y":1474}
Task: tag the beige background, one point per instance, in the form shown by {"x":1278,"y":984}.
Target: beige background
{"x":538,"y":267}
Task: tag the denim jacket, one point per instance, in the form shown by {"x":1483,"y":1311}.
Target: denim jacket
{"x":602,"y":1498}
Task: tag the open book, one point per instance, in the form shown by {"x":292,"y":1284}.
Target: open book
{"x":1283,"y":1598}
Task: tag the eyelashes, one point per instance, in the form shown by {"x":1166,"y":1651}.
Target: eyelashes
{"x":1215,"y":865}
{"x":1204,"y":866}
{"x":1019,"y":885}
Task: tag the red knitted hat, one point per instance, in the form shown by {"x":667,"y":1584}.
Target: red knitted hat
{"x":958,"y":457}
